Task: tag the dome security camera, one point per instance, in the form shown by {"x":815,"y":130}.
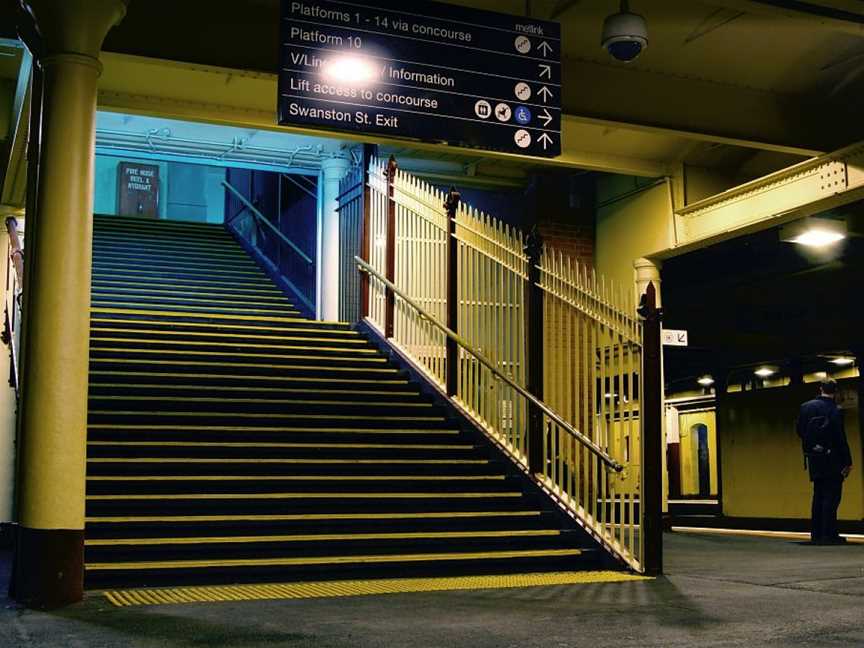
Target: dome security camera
{"x":625,"y":34}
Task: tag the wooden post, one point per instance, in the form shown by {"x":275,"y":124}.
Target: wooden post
{"x":651,"y":500}
{"x":390,"y":267}
{"x":534,"y":355}
{"x":365,"y":229}
{"x":452,"y":205}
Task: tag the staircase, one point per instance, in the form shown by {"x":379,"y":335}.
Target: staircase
{"x":232,"y":441}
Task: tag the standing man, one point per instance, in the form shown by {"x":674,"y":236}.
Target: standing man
{"x":827,"y":456}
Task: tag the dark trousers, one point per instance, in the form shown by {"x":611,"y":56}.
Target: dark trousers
{"x":826,"y":499}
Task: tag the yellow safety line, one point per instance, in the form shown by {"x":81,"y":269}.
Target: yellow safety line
{"x":185,"y":285}
{"x":172,"y":295}
{"x":153,"y":374}
{"x":785,"y":535}
{"x":205,"y":363}
{"x":240,"y":309}
{"x":293,"y":496}
{"x":209,"y":269}
{"x":308,"y":516}
{"x":203,"y":314}
{"x":102,"y":250}
{"x":276,"y":390}
{"x":241,"y":354}
{"x":128,"y":277}
{"x":267,"y":415}
{"x":131,"y":244}
{"x":205,"y":444}
{"x":239,"y":342}
{"x":280,"y":430}
{"x":334,"y":560}
{"x":255,"y":460}
{"x":234,"y":336}
{"x":194,"y":478}
{"x":333,"y":589}
{"x":272,"y":401}
{"x":314,"y":537}
{"x":343,"y":331}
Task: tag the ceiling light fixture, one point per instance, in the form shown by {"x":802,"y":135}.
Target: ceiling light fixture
{"x":706,"y":381}
{"x":765,"y":372}
{"x":814,"y":232}
{"x":350,"y":70}
{"x":842,"y":361}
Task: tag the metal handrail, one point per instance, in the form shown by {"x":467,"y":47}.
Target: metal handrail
{"x":462,"y":342}
{"x":262,"y":219}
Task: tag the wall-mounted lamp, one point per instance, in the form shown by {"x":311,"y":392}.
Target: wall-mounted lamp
{"x":814,"y":232}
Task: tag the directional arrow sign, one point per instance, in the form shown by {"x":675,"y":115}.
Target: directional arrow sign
{"x":546,"y":140}
{"x":545,"y":47}
{"x":546,"y":93}
{"x":546,"y":117}
{"x":545,"y":71}
{"x":672,"y":337}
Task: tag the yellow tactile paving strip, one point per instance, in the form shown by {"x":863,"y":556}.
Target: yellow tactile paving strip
{"x":756,"y":533}
{"x":331,"y":589}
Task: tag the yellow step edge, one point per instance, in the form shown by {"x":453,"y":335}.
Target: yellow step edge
{"x":116,"y":280}
{"x":277,"y":390}
{"x":254,"y":461}
{"x":210,"y":269}
{"x":268,"y":415}
{"x":121,"y":271}
{"x":203,"y":314}
{"x":240,"y":354}
{"x":205,"y":363}
{"x":269,"y":401}
{"x":316,"y":537}
{"x":335,"y":560}
{"x":175,"y":295}
{"x":324,"y":478}
{"x":228,"y":247}
{"x":314,"y":517}
{"x":373,"y":587}
{"x":344,"y":331}
{"x":108,"y":303}
{"x":287,"y":338}
{"x":280,"y":430}
{"x":296,"y":496}
{"x":124,"y":277}
{"x":239,"y":343}
{"x":207,"y":444}
{"x":135,"y":251}
{"x":288,"y":379}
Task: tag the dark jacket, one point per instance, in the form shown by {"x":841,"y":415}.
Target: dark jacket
{"x":839,"y":456}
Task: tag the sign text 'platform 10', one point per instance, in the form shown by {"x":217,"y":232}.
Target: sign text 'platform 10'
{"x":424,"y":70}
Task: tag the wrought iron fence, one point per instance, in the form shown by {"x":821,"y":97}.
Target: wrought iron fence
{"x":541,"y":353}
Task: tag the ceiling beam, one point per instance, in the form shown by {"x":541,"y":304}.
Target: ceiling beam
{"x":838,"y":15}
{"x":706,"y":110}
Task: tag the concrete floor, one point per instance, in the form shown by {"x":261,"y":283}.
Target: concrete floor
{"x":719,"y":591}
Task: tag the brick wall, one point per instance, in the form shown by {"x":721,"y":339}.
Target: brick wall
{"x":564,"y":212}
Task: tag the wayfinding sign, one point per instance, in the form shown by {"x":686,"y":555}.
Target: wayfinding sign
{"x":425,"y":70}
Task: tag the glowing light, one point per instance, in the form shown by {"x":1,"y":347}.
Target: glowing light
{"x":765,"y":372}
{"x":818,"y":238}
{"x":706,"y":381}
{"x":843,"y":361}
{"x":350,"y":70}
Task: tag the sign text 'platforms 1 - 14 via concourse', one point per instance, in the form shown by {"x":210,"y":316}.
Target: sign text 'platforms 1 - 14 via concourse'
{"x":424,"y":70}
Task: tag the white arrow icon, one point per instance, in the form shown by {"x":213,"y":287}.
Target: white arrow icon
{"x":546,"y":140}
{"x":545,"y":71}
{"x":546,"y":117}
{"x":546,"y":93}
{"x":545,"y":47}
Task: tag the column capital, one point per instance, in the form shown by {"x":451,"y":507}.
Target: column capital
{"x":337,"y":164}
{"x":75,"y":26}
{"x":647,"y":269}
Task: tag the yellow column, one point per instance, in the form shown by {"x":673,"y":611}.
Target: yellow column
{"x":49,"y":560}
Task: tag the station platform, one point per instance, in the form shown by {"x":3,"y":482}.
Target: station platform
{"x":719,"y":590}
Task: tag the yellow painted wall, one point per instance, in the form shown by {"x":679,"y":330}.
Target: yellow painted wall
{"x":630,"y":228}
{"x":762,"y":468}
